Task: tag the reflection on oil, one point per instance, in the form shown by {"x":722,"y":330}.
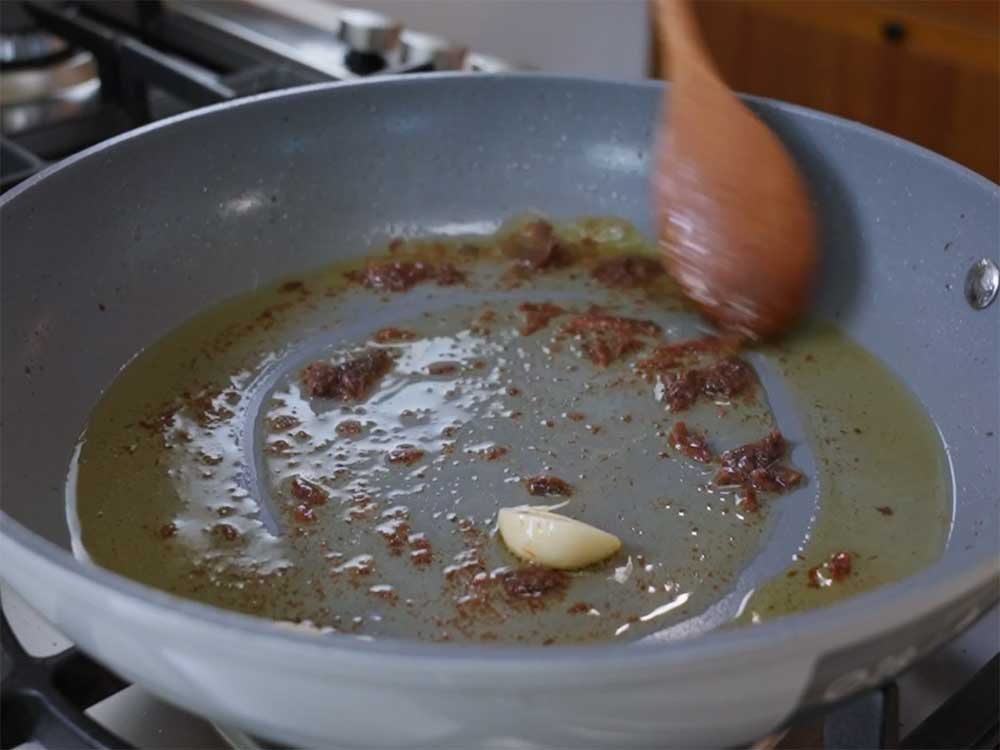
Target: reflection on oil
{"x":386,"y":504}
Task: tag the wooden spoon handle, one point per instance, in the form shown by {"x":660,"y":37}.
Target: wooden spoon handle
{"x":735,"y":224}
{"x":680,"y":41}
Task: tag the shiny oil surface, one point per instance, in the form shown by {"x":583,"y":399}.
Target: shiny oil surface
{"x":181,"y":479}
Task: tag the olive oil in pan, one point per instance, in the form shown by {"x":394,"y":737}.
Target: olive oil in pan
{"x":386,"y":499}
{"x":882,"y":473}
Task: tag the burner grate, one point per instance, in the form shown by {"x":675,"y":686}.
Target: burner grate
{"x":156,"y":59}
{"x":44,"y":698}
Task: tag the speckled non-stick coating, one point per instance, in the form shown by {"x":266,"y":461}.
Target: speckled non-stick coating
{"x":118,"y":245}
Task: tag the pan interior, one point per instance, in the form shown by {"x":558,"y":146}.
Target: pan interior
{"x":183,"y":477}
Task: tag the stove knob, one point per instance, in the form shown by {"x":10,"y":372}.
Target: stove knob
{"x":440,"y":53}
{"x":368,"y":33}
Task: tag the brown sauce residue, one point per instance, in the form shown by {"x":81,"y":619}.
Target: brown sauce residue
{"x":225,"y":531}
{"x":534,"y":246}
{"x":392,"y":335}
{"x":284,"y":423}
{"x":421,"y":556}
{"x":362,"y":565}
{"x":746,"y":500}
{"x":837,"y":568}
{"x":304,"y":513}
{"x":404,"y":454}
{"x":691,"y":444}
{"x":604,"y":350}
{"x":401,"y":275}
{"x":384,"y":591}
{"x":161,"y":421}
{"x":348,"y":381}
{"x":608,"y":338}
{"x":543,"y":485}
{"x":596,"y":319}
{"x":449,"y":275}
{"x":676,"y":354}
{"x":421,"y":552}
{"x":492,"y":452}
{"x":840,"y":565}
{"x":311,"y":494}
{"x":757,"y":465}
{"x":396,"y":533}
{"x":537,"y":315}
{"x":279,"y":447}
{"x":533,"y":582}
{"x":627,"y":271}
{"x":209,"y":407}
{"x":681,"y":389}
{"x":349,"y":427}
{"x":443,"y":368}
{"x":727,"y":378}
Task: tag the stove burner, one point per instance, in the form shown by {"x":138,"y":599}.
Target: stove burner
{"x":23,"y":43}
{"x":44,"y":698}
{"x":77,"y":72}
{"x":30,"y":49}
{"x":59,"y":88}
{"x":42,"y":79}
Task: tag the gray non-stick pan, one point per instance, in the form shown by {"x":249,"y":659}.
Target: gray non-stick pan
{"x":148,"y":224}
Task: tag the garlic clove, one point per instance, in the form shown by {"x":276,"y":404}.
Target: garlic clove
{"x":537,"y":534}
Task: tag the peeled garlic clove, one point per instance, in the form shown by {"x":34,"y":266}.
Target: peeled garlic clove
{"x":538,"y":535}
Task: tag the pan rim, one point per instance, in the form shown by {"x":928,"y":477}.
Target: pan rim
{"x":451,"y":77}
{"x":894,"y":605}
{"x":881,"y":611}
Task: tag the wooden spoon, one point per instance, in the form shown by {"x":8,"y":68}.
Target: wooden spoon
{"x":736,"y":228}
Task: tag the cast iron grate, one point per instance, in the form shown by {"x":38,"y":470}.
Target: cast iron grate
{"x":155,"y":61}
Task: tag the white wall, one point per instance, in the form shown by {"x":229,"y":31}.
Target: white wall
{"x":596,"y":37}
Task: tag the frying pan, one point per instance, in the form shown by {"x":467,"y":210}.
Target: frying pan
{"x":167,"y":220}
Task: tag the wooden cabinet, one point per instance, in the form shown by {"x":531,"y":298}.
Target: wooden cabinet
{"x":927,"y":70}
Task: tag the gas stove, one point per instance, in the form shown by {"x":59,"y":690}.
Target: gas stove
{"x":75,"y":73}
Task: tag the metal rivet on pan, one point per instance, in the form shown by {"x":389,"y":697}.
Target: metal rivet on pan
{"x":981,"y":283}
